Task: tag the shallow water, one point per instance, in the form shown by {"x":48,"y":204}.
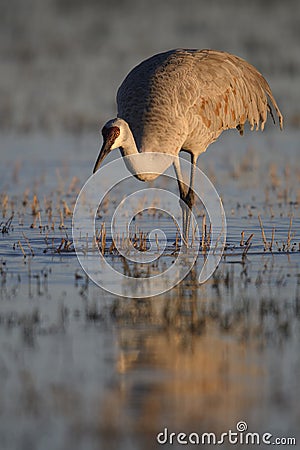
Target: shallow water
{"x":81,"y":368}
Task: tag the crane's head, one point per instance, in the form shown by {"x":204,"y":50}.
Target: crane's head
{"x":114,"y":134}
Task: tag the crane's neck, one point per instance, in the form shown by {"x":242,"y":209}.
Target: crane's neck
{"x":145,"y":165}
{"x":128,"y":146}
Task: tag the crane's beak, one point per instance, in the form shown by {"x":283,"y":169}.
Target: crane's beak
{"x":105,"y":150}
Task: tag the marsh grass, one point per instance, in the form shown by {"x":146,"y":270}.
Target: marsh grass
{"x":285,"y":246}
{"x":51,"y":213}
{"x":169,"y":350}
{"x":6,"y":226}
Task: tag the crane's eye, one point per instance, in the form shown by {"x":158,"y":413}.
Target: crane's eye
{"x":110,"y":134}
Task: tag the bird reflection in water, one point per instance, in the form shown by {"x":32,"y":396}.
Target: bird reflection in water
{"x":175,"y":367}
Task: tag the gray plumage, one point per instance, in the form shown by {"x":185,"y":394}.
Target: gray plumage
{"x":184,"y":99}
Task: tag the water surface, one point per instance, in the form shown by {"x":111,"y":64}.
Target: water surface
{"x":81,"y":368}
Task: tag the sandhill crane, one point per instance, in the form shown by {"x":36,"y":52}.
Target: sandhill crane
{"x":182,"y":100}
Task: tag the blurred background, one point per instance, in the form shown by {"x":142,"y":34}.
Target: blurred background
{"x":83,"y":369}
{"x":63,"y":60}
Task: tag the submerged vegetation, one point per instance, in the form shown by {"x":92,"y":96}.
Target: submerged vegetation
{"x":209,"y":347}
{"x":261,"y":254}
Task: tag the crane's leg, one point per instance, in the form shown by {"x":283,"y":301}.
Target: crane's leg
{"x":190,"y":197}
{"x":182,"y":192}
{"x":181,"y":184}
{"x":186,"y":195}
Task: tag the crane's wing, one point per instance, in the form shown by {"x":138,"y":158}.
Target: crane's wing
{"x":231,"y":92}
{"x":193,"y":95}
